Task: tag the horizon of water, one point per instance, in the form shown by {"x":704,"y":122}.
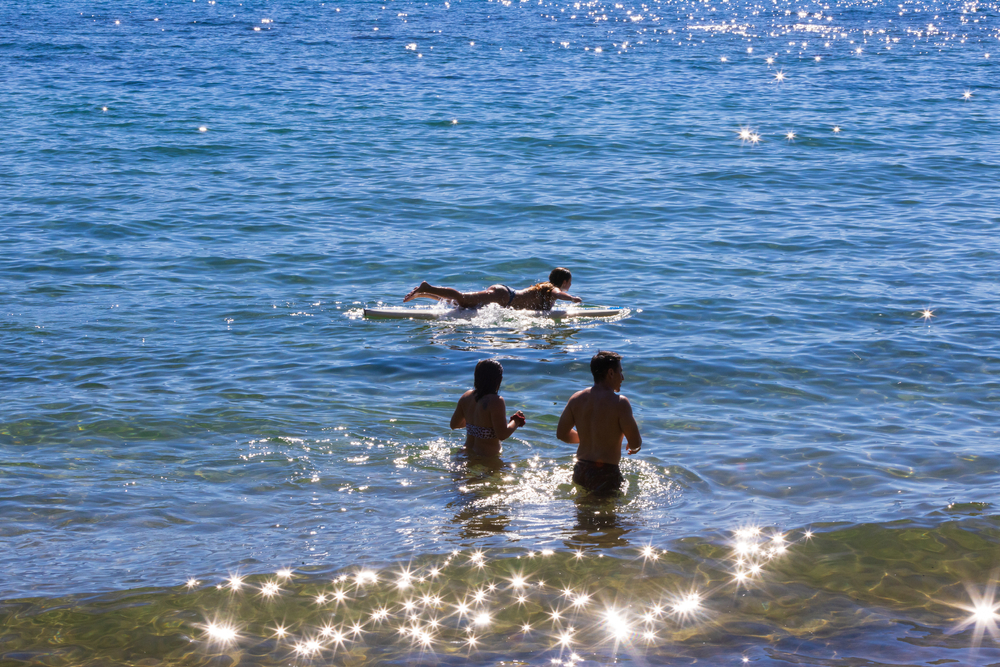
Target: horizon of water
{"x":208,"y":455}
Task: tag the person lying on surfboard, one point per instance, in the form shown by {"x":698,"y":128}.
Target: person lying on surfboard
{"x":541,"y":296}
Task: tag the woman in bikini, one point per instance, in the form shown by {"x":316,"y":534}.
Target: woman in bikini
{"x":483,"y":412}
{"x":541,"y":296}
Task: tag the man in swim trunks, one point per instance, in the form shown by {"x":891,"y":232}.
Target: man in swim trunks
{"x":598,"y":419}
{"x":541,"y":296}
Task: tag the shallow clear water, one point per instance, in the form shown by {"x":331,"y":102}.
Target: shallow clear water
{"x":198,"y":199}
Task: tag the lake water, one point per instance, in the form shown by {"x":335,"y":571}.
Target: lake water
{"x":208,"y":456}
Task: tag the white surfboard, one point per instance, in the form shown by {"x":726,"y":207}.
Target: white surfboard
{"x":417,"y":313}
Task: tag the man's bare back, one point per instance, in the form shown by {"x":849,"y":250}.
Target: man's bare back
{"x":598,"y":418}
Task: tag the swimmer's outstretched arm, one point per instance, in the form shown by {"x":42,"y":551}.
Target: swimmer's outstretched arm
{"x":566,"y":296}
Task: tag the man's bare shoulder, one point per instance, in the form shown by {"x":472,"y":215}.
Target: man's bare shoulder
{"x":623,"y":403}
{"x":578,"y":396}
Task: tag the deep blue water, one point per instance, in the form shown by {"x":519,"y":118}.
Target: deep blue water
{"x":198,"y":198}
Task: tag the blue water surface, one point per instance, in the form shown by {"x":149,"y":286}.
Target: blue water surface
{"x":797,"y":203}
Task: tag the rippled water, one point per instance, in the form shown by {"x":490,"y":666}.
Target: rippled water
{"x":796,"y":202}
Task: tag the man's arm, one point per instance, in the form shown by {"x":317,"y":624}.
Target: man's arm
{"x":565,"y":430}
{"x":626,"y":422}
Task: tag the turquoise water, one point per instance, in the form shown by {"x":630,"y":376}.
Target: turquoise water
{"x":198,"y":198}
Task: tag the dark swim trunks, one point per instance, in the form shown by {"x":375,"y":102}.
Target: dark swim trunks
{"x":597,"y":477}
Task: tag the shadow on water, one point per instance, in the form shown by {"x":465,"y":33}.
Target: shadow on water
{"x":598,"y":524}
{"x":477,"y":479}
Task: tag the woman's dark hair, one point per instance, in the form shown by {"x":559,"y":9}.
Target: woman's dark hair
{"x":559,"y":275}
{"x":489,"y":374}
{"x":603,"y":362}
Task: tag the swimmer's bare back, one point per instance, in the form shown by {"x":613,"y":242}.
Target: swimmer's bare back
{"x":598,"y":420}
{"x":488,"y":414}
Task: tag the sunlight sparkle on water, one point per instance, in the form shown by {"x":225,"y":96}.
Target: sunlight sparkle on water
{"x":224,"y":633}
{"x":617,"y":625}
{"x":309,"y":647}
{"x":366,"y":577}
{"x":982,"y":614}
{"x":688,"y":605}
{"x":457,"y":611}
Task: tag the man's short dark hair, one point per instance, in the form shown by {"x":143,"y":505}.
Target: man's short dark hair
{"x":603,"y":362}
{"x":559,"y":275}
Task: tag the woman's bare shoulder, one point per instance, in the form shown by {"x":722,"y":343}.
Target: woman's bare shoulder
{"x":490,"y":400}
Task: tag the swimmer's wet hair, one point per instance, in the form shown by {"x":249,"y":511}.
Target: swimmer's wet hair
{"x":604,"y":361}
{"x":559,"y":275}
{"x":489,"y":375}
